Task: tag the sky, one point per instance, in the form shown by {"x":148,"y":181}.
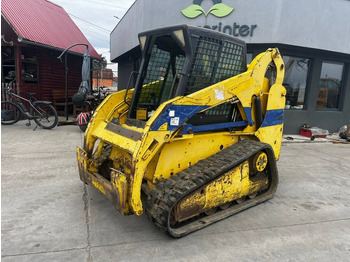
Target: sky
{"x":96,"y":19}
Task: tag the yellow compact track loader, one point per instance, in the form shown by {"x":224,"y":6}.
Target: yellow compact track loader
{"x":197,"y":137}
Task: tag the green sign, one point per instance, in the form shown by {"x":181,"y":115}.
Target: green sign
{"x":218,"y":9}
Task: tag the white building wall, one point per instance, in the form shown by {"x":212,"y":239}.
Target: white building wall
{"x":320,"y":24}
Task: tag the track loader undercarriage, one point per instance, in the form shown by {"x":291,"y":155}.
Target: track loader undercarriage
{"x":200,"y":142}
{"x":215,"y":188}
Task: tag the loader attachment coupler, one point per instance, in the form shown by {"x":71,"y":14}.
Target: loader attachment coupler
{"x":198,"y":135}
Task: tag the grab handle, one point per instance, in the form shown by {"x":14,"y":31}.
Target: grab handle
{"x":128,"y":86}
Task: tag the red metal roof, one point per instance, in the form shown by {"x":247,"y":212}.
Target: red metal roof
{"x":44,"y":22}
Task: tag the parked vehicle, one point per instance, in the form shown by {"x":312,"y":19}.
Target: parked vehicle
{"x":198,"y":135}
{"x":12,"y":110}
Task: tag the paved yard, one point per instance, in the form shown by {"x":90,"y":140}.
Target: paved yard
{"x":48,"y":214}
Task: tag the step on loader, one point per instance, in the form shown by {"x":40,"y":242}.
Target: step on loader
{"x":194,"y":137}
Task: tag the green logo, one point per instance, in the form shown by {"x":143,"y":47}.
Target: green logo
{"x":218,"y":9}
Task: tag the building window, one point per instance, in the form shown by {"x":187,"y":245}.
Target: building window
{"x":30,"y":66}
{"x":8,"y":65}
{"x":249,"y":57}
{"x":329,"y":87}
{"x":296,"y":72}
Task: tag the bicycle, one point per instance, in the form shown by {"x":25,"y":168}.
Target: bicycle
{"x":12,"y":110}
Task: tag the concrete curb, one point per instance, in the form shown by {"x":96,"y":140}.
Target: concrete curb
{"x":303,"y":139}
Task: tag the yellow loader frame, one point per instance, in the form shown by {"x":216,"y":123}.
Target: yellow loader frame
{"x":141,"y":151}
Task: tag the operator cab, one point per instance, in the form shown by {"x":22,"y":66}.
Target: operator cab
{"x":181,"y":60}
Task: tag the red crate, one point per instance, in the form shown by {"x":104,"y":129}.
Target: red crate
{"x":308,"y":133}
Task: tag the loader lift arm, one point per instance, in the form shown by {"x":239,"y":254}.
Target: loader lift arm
{"x":241,"y":88}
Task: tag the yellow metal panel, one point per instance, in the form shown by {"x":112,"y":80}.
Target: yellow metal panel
{"x":121,"y":158}
{"x":232,"y":185}
{"x":271,"y":135}
{"x":182,"y":153}
{"x":120,"y":184}
{"x":141,"y":114}
{"x":277,"y":97}
{"x":100,"y":132}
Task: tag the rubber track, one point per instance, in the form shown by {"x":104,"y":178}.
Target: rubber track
{"x":168,"y":192}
